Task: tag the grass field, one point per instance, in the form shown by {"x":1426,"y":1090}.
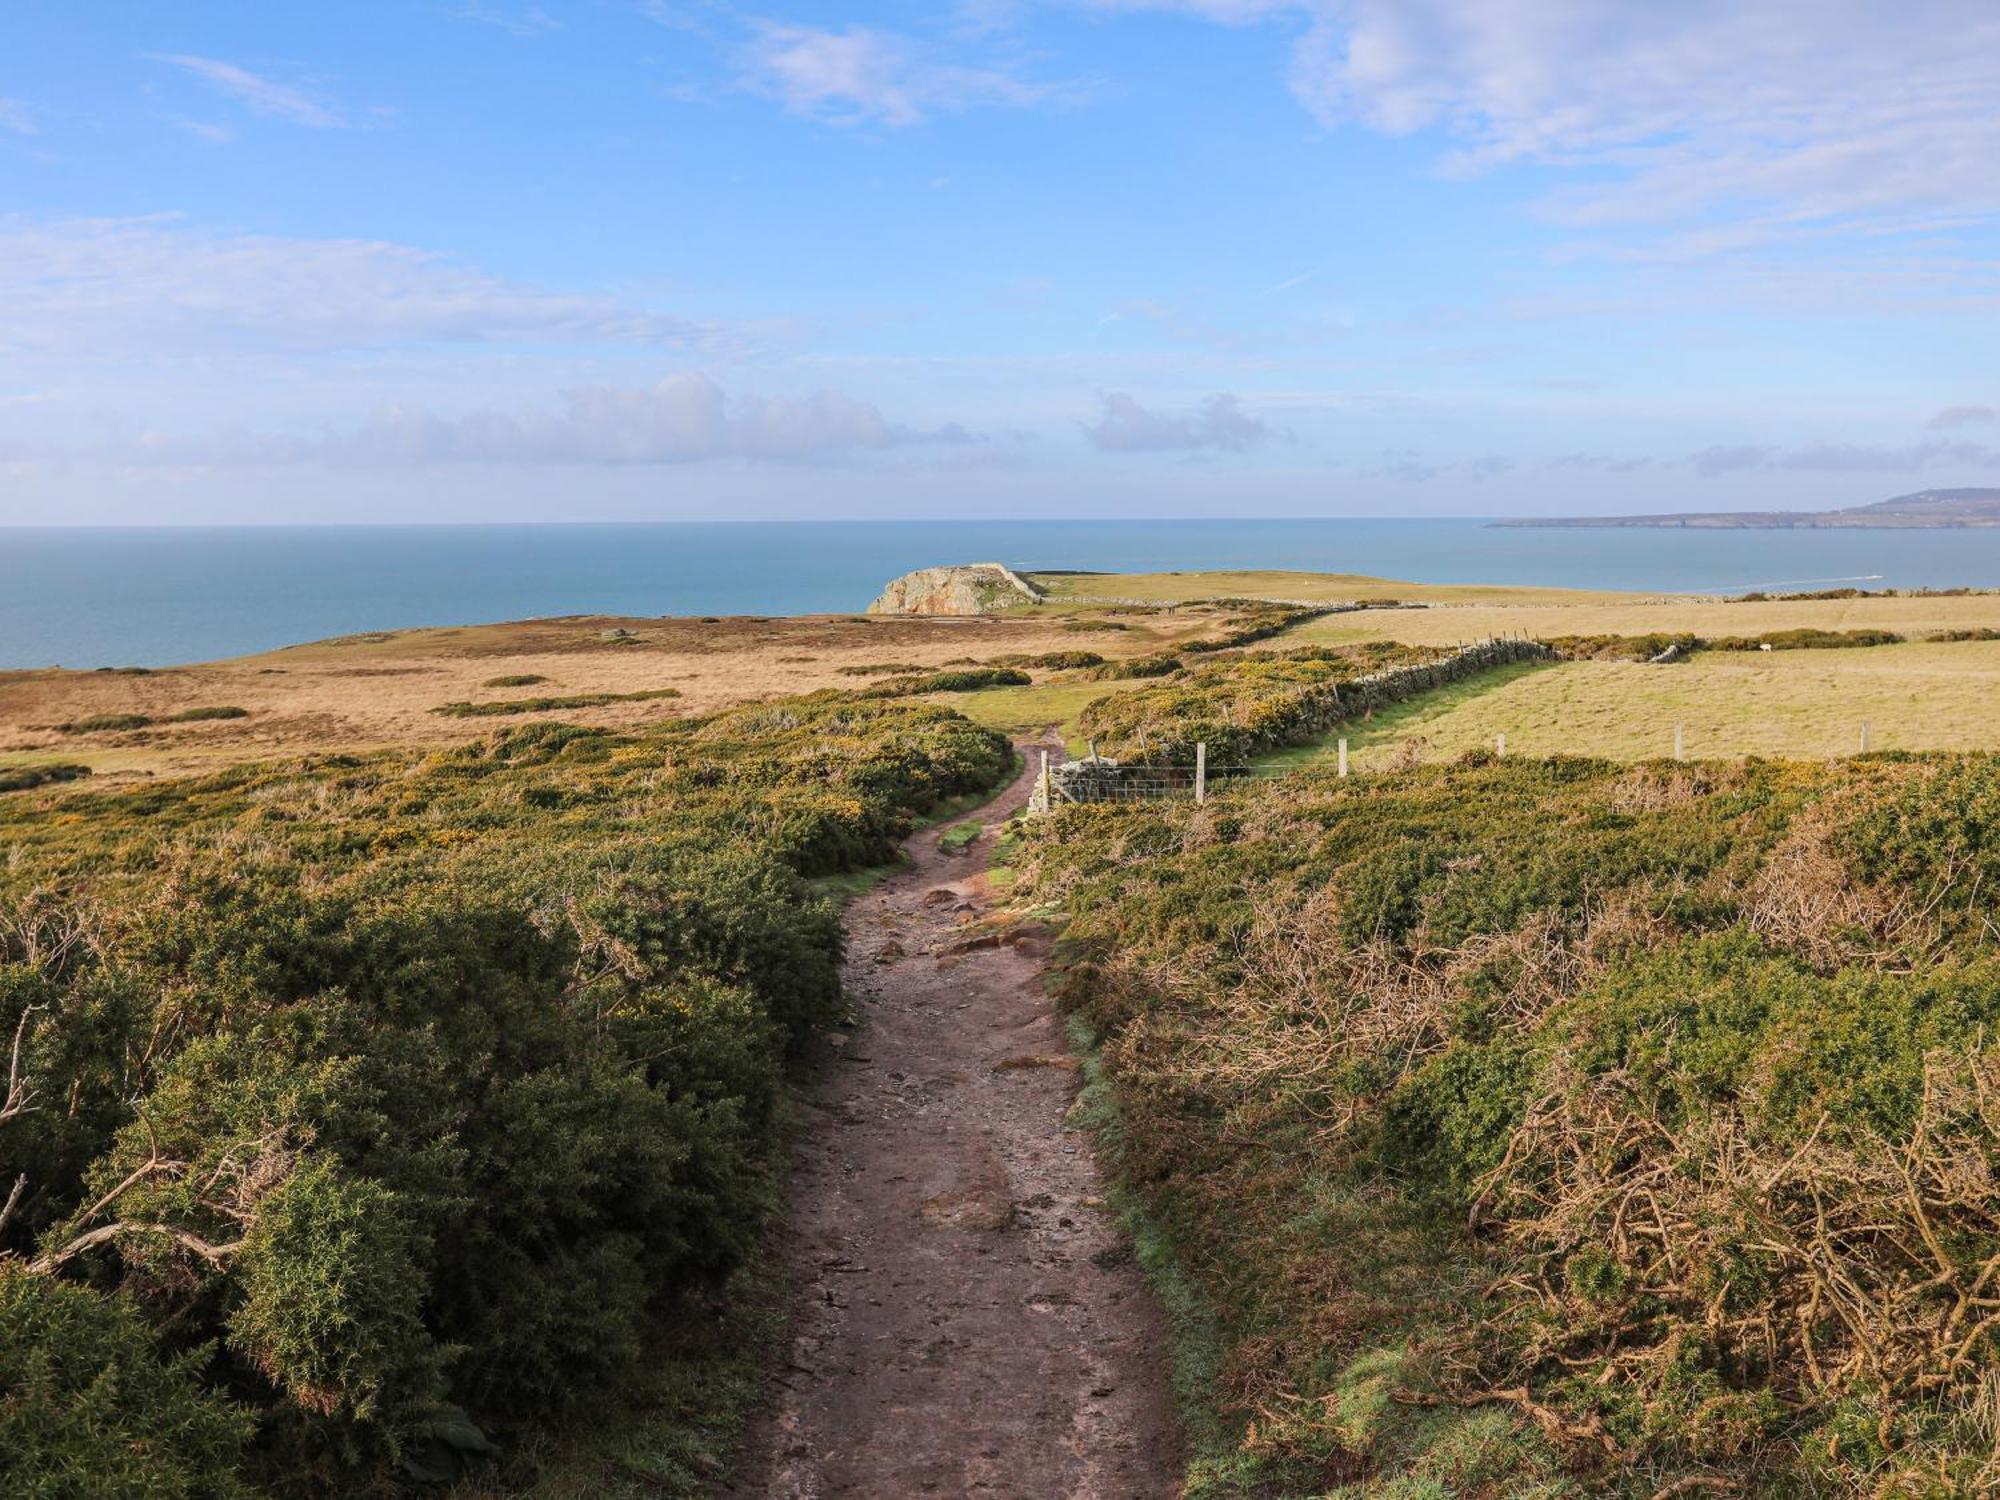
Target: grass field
{"x":1019,"y":711}
{"x":1274,"y":583}
{"x":1803,"y":704}
{"x":381,"y":689}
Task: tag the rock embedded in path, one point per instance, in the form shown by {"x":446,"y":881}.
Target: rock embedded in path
{"x":970,"y":1208}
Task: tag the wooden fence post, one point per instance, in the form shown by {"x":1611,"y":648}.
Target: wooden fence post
{"x":1343,"y":757}
{"x":1864,"y":736}
{"x":1500,"y":746}
{"x":1201,"y":771}
{"x":1093,"y":750}
{"x":1677,"y":741}
{"x":1048,"y":790}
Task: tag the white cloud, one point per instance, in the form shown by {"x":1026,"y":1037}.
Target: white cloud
{"x":258,"y":94}
{"x":683,"y":419}
{"x":861,"y":76}
{"x":1847,"y":458}
{"x":1953,"y":417}
{"x":1124,"y":426}
{"x":145,"y":285}
{"x":1778,"y":113}
{"x":18,"y":118}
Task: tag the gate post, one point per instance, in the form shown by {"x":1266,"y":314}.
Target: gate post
{"x":1201,"y":771}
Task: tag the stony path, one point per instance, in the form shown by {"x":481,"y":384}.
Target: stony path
{"x":969,"y":1321}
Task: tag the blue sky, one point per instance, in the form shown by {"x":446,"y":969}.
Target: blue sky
{"x":617,"y":259}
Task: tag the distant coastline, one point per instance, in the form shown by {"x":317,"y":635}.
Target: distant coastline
{"x":1927,"y":510}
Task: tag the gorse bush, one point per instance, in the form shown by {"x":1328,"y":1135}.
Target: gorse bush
{"x":1262,"y":701}
{"x":1053,"y":661}
{"x":1263,"y":622}
{"x":1562,"y":1128}
{"x":503,"y":707}
{"x":1805,"y":638}
{"x":961,"y":680}
{"x":1155,"y":664}
{"x":1646,"y":647}
{"x":374,"y":1106}
{"x":878,"y":668}
{"x":98,"y":723}
{"x":101,"y":723}
{"x":1622,"y":647}
{"x":24,"y":778}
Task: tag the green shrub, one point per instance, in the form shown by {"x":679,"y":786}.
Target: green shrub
{"x":878,"y":669}
{"x":1157,"y":664}
{"x":1965,"y":633}
{"x":92,"y":1407}
{"x":198,"y":715}
{"x":514,"y":679}
{"x":1579,"y":1082}
{"x":97,"y":723}
{"x":429,"y":1088}
{"x":24,"y":778}
{"x":1053,"y":661}
{"x":1261,"y":701}
{"x":1804,"y":639}
{"x":1622,"y":647}
{"x":964,"y":680}
{"x":507,"y":706}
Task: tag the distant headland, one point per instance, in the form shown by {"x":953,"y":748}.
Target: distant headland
{"x":1924,"y":510}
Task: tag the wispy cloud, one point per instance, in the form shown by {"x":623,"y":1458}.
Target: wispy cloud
{"x":857,"y":75}
{"x":683,"y":419}
{"x":17,"y":118}
{"x":1953,"y":417}
{"x":1124,"y":426}
{"x":530,"y":20}
{"x":208,"y":130}
{"x":260,"y":95}
{"x":149,"y":285}
{"x":1778,"y":114}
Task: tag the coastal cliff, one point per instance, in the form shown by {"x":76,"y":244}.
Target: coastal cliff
{"x":969,"y":589}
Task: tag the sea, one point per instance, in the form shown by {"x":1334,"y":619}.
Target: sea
{"x":158,"y":596}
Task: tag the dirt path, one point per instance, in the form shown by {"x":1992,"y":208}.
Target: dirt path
{"x":969,"y":1321}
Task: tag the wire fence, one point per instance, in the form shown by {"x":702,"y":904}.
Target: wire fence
{"x":1143,"y":783}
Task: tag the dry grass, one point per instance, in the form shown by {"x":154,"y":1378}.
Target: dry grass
{"x":1632,"y":615}
{"x":1022,"y":711}
{"x":375,"y":690}
{"x":1273,"y":583}
{"x":1803,"y":704}
{"x":1468,"y":612}
{"x":380,"y":689}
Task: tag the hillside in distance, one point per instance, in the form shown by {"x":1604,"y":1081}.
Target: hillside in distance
{"x":1927,"y":509}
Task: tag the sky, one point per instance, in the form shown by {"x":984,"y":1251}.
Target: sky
{"x":486,"y":260}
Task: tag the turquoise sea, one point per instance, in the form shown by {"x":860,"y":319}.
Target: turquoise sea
{"x":156,"y":596}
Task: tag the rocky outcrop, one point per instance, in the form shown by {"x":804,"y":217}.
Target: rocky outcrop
{"x":972,"y":589}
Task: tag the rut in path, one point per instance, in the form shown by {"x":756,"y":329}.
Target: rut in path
{"x":969,"y":1319}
